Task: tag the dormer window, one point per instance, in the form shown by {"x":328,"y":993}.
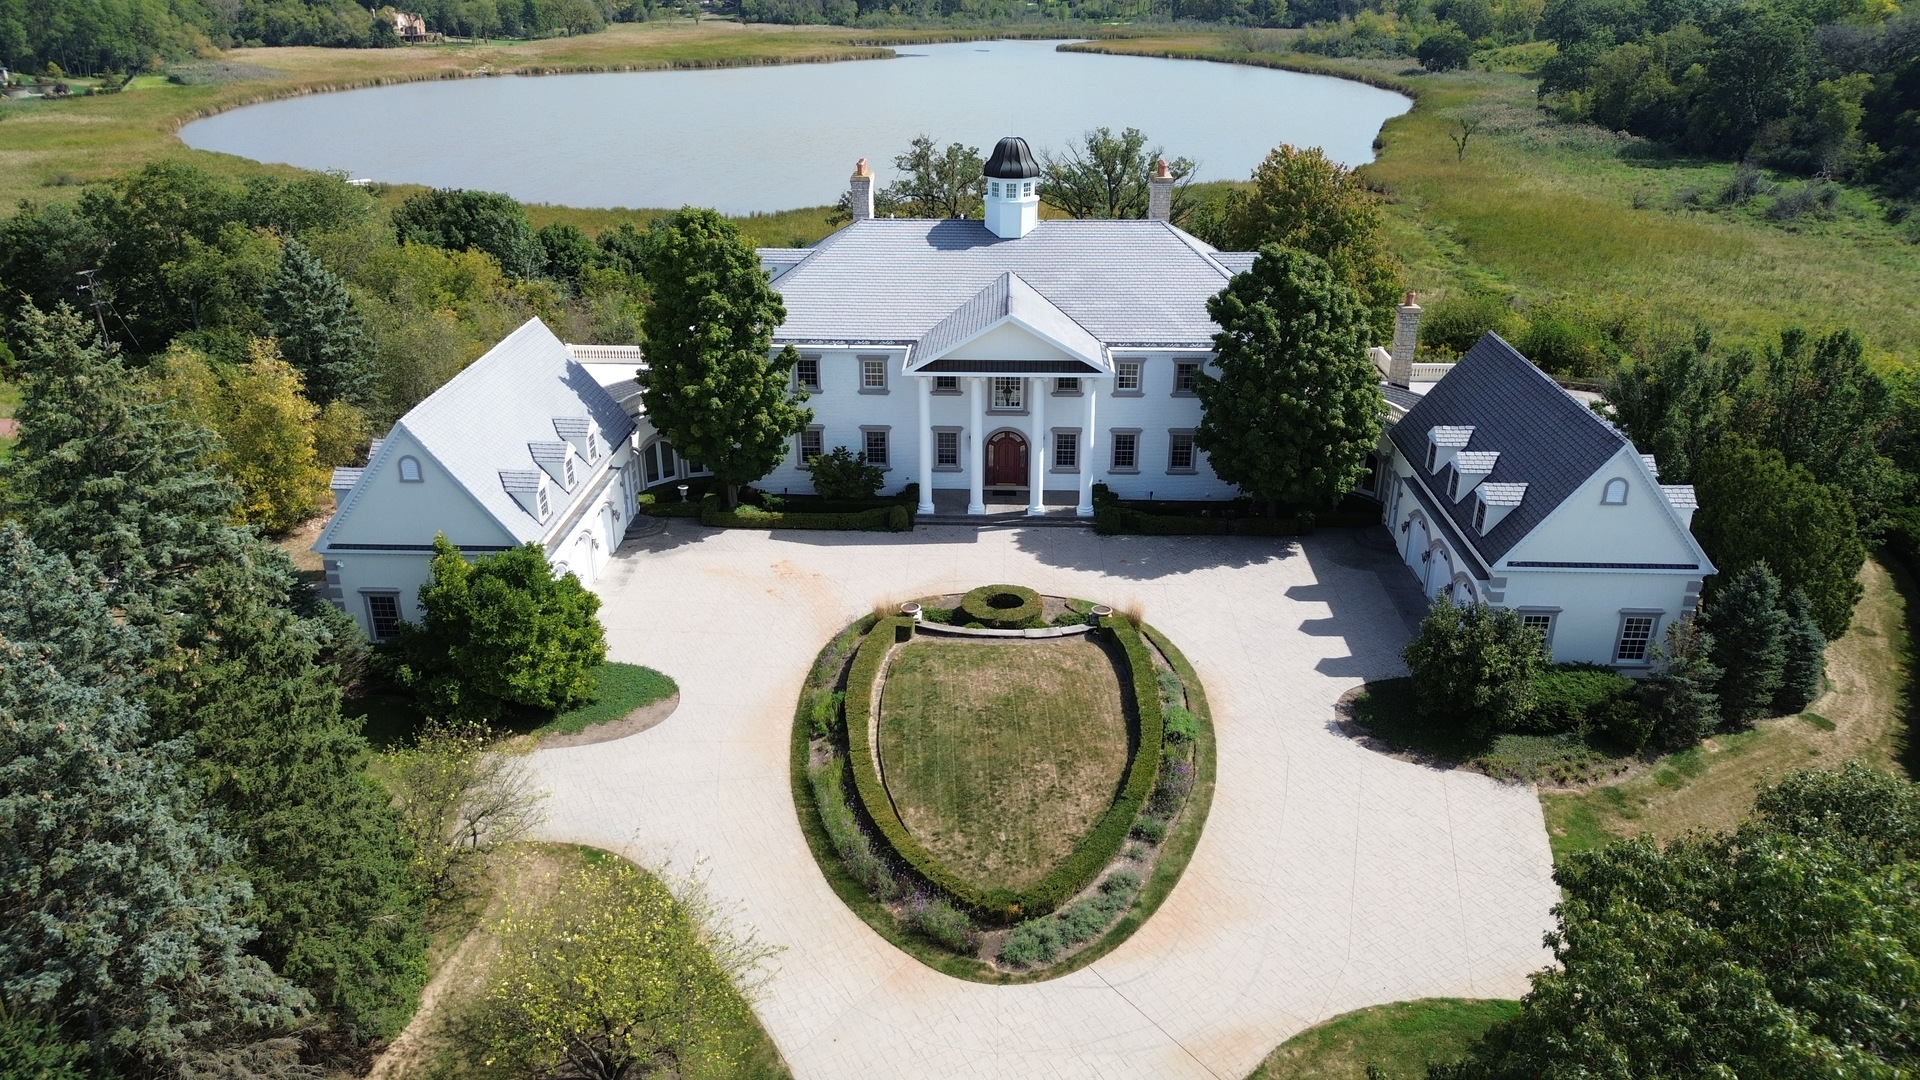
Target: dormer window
{"x":410,"y":470}
{"x":593,"y":447}
{"x":1480,"y":516}
{"x":1453,"y":487}
{"x":545,"y":507}
{"x":571,"y":479}
{"x":1615,"y":493}
{"x":1433,"y":455}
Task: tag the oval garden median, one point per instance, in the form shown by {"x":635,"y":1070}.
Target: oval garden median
{"x":1003,"y":784}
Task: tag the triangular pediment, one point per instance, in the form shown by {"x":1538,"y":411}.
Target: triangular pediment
{"x":1009,"y":321}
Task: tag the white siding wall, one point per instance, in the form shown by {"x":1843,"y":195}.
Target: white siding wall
{"x":841,"y":410}
{"x":1588,"y":624}
{"x":363,"y":571}
{"x":388,"y":511}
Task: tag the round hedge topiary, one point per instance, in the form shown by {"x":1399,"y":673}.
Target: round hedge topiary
{"x":1002,"y":607}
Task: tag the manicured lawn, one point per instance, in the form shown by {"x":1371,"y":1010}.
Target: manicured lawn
{"x":390,"y":721}
{"x":1397,"y":1040}
{"x":1865,"y":714}
{"x":1388,"y":713}
{"x":1001,"y":756}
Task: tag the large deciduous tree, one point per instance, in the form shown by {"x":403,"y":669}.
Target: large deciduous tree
{"x":1303,"y":199}
{"x":459,"y":220}
{"x":933,"y":183}
{"x":710,"y":385}
{"x":1755,"y":507}
{"x":306,"y":309}
{"x":1110,"y":176}
{"x":1474,"y":669}
{"x":1296,"y":407}
{"x":1785,"y":950}
{"x":500,"y":632}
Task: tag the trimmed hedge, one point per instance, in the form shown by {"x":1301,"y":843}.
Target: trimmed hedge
{"x":1087,"y":861}
{"x":894,"y":518}
{"x":978,"y":606}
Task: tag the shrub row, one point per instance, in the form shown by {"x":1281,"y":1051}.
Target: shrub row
{"x":894,"y":518}
{"x":1087,"y":860}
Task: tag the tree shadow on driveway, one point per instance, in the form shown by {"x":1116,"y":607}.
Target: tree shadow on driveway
{"x":1144,"y":558}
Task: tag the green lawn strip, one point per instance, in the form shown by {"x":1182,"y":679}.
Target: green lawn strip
{"x":1001,"y":755}
{"x":1388,"y":713}
{"x":1397,"y":1040}
{"x":391,"y":720}
{"x":621,"y":688}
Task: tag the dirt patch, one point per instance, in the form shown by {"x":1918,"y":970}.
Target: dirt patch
{"x":9,"y":428}
{"x":633,"y":723}
{"x":298,"y":544}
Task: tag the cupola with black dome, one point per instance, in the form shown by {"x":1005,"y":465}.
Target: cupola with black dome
{"x":1013,"y":198}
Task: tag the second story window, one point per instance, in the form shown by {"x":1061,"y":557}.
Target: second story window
{"x":946,"y":384}
{"x":873,"y":373}
{"x":1006,"y":393}
{"x":806,"y":373}
{"x":1126,"y":378}
{"x":1183,"y":377}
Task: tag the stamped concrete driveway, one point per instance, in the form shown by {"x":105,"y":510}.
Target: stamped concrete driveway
{"x":1329,"y":877}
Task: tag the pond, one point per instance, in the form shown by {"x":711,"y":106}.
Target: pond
{"x":772,"y":138}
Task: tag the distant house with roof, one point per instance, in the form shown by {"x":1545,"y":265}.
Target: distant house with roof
{"x":1501,"y":488}
{"x":522,"y":447}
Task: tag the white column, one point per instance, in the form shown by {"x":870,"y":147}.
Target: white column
{"x":1086,"y":448}
{"x":976,"y":447}
{"x":1037,"y":494}
{"x":925,"y":383}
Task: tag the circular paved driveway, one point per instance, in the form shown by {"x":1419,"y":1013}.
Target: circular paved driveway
{"x":1329,"y":877}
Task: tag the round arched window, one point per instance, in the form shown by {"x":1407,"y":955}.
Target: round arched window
{"x":1615,"y":493}
{"x":409,"y":470}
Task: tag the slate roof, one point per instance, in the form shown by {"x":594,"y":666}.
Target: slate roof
{"x":1009,"y":297}
{"x":1546,"y":438}
{"x":480,"y":425}
{"x":1139,"y":282}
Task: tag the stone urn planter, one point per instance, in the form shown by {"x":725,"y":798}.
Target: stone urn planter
{"x":911,"y":610}
{"x":1100,"y":611}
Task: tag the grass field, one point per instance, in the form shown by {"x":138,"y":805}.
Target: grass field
{"x":1541,"y":210}
{"x":1865,"y":714}
{"x":1001,"y":756}
{"x":1397,"y":1040}
{"x":439,"y":1043}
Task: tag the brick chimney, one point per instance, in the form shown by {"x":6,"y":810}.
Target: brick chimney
{"x":1160,"y":193}
{"x":862,"y":191}
{"x":1406,"y":336}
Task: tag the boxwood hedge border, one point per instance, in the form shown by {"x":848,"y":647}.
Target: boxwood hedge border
{"x":974,"y":605}
{"x":1079,"y":869}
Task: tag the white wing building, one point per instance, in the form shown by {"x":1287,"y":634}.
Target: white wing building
{"x":522,"y":447}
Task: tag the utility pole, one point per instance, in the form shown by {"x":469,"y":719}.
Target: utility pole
{"x":92,"y":290}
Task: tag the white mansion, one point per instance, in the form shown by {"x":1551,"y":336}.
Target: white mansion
{"x":1026,"y":360}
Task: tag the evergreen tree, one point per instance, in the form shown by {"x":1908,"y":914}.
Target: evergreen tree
{"x":287,"y":775}
{"x":110,"y":480}
{"x":1805,"y":668}
{"x":58,"y":614}
{"x":1680,"y":695}
{"x":500,"y":632}
{"x":1749,"y":634}
{"x":1756,"y":507}
{"x":307,"y":309}
{"x":709,"y":385}
{"x":120,"y":915}
{"x":1296,"y":408}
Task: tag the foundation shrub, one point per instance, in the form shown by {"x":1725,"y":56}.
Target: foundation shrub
{"x":1078,"y":869}
{"x":1574,"y":697}
{"x":1002,"y":607}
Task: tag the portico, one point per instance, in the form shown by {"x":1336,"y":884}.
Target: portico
{"x":1010,"y":441}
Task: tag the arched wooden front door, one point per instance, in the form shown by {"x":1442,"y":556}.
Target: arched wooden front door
{"x":1007,"y":460}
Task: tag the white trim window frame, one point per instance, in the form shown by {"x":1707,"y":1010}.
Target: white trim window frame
{"x":1180,"y":443}
{"x":806,"y":374}
{"x":877,"y":437}
{"x":1633,"y":641}
{"x":1066,"y":450}
{"x":1125,"y":454}
{"x":376,"y":617}
{"x":946,"y":444}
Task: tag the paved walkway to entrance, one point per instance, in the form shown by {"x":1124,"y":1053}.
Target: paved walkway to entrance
{"x":1329,"y":877}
